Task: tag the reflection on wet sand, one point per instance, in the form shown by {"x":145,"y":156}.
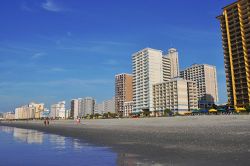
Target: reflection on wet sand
{"x":58,"y":141}
{"x":28,"y":136}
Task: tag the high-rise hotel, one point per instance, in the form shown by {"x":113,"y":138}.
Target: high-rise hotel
{"x":235,"y":28}
{"x":150,"y":67}
{"x":206,"y":80}
{"x":123,"y":91}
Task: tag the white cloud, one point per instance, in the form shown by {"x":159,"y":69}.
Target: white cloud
{"x":37,"y":55}
{"x":51,"y":6}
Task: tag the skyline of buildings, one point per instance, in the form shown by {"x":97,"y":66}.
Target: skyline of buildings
{"x":235,"y":29}
{"x":105,"y":106}
{"x":152,"y":67}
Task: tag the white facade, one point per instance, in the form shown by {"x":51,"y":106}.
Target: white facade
{"x":128,"y":108}
{"x":176,"y":95}
{"x":106,"y":106}
{"x":151,"y":67}
{"x":58,"y":110}
{"x":26,"y":111}
{"x":147,"y":70}
{"x":174,"y":61}
{"x":88,"y":105}
{"x":109,"y":105}
{"x":99,"y":108}
{"x":206,"y":79}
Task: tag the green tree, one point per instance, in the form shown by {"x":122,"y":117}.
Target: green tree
{"x":167,"y":112}
{"x":105,"y":115}
{"x":248,"y":108}
{"x":146,"y":113}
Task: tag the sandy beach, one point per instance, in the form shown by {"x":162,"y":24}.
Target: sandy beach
{"x":197,"y":140}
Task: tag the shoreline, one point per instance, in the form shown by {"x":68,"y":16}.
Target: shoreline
{"x":197,"y":140}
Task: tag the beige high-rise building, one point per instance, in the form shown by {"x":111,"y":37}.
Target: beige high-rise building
{"x":123,"y":91}
{"x":177,"y":95}
{"x":235,"y":28}
{"x":205,"y":77}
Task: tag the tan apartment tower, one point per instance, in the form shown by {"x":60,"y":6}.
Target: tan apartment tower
{"x":123,"y":91}
{"x":205,"y":77}
{"x":235,"y":28}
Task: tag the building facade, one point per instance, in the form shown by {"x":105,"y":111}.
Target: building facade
{"x":147,"y":70}
{"x":75,"y":106}
{"x":88,"y":106}
{"x":205,"y":77}
{"x":176,"y":95}
{"x":235,"y":28}
{"x":123,"y":91}
{"x":150,"y":67}
{"x":174,"y":62}
{"x":30,"y":111}
{"x":58,"y":110}
{"x":128,"y":108}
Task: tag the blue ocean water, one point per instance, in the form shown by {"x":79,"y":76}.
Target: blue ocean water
{"x":22,"y":147}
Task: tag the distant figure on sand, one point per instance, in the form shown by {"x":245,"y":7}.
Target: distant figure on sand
{"x":78,"y":120}
{"x":46,"y":122}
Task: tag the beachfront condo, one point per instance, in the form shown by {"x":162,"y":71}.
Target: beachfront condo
{"x":235,"y":28}
{"x":123,"y":91}
{"x":206,"y":80}
{"x":151,"y":66}
{"x":176,"y":95}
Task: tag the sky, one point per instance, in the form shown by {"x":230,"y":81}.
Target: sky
{"x":53,"y":50}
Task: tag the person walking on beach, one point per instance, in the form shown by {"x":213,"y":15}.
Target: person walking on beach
{"x":47,"y":121}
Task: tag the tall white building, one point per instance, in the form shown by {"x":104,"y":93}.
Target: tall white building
{"x":147,"y":70}
{"x":88,"y":106}
{"x":106,"y":106}
{"x":99,"y":108}
{"x":206,"y":79}
{"x":76,"y":108}
{"x":109,"y":105}
{"x":174,"y":61}
{"x":150,"y":67}
{"x":177,"y":95}
{"x":58,"y":110}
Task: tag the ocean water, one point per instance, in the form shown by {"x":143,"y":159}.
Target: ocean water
{"x":22,"y":147}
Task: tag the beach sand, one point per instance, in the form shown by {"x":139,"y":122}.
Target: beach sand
{"x":194,"y":140}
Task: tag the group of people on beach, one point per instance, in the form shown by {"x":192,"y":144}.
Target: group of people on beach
{"x":46,"y":122}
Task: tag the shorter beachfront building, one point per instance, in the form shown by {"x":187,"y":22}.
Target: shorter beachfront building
{"x":177,"y":95}
{"x":30,"y":111}
{"x":128,"y":108}
{"x":9,"y":115}
{"x":58,"y":110}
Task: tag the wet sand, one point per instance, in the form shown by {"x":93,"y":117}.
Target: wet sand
{"x":198,"y":140}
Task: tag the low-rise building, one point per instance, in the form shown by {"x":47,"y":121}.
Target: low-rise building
{"x":58,"y":110}
{"x":177,"y":95}
{"x":9,"y":115}
{"x":128,"y":108}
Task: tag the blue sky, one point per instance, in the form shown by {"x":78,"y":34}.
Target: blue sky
{"x":52,"y":50}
